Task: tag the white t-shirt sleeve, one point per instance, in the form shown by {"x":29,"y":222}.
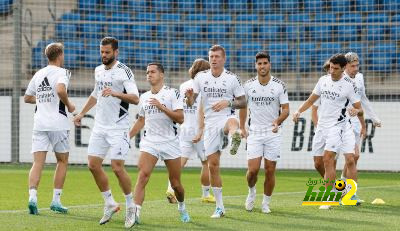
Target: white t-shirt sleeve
{"x":31,"y":90}
{"x":283,"y":97}
{"x":177,"y":102}
{"x":196,"y":85}
{"x":130,"y":84}
{"x":237,"y":88}
{"x":352,"y":95}
{"x":317,"y":88}
{"x":64,"y":77}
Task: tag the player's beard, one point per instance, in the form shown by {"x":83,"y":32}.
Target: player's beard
{"x":109,"y":61}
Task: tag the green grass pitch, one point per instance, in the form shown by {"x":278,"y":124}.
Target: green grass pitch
{"x":86,"y":204}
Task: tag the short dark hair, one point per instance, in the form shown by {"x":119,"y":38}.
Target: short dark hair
{"x":263,"y":55}
{"x":53,"y":50}
{"x":326,"y":66}
{"x":159,"y":66}
{"x":218,"y":48}
{"x":339,"y":59}
{"x":110,"y":40}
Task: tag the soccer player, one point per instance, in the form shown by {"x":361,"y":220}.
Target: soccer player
{"x":267,"y":100}
{"x":114,"y":90}
{"x":191,"y":135}
{"x":332,"y":136}
{"x":48,"y":90}
{"x":221,"y":93}
{"x":352,"y":68}
{"x":159,"y":111}
{"x":318,"y":157}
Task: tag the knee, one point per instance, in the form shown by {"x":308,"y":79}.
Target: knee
{"x":213,"y":166}
{"x":269,"y":173}
{"x":93,"y":166}
{"x":117,"y":169}
{"x":252,"y":173}
{"x":62,"y":160}
{"x":350,"y":161}
{"x":143,"y":177}
{"x":318,"y":164}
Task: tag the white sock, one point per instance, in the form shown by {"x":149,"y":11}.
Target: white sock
{"x":33,"y":195}
{"x":266,"y":199}
{"x":218,"y":197}
{"x":138,"y":208}
{"x":206,"y":190}
{"x":170,"y":189}
{"x":108,"y":198}
{"x":57,"y":194}
{"x":129,"y":200}
{"x":252,"y":190}
{"x":181,"y":206}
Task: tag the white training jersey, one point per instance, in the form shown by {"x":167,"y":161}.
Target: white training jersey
{"x":264,"y":102}
{"x":366,"y":105}
{"x":227,"y":86}
{"x":335,"y":97}
{"x":158,"y":127}
{"x":50,"y":113}
{"x":190,"y":126}
{"x":111,"y":112}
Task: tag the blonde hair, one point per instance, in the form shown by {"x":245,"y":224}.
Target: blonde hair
{"x":53,"y":50}
{"x":351,"y":57}
{"x":197,"y":66}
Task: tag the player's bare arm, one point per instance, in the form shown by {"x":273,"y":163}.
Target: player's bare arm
{"x":238,"y":103}
{"x":242,"y":122}
{"x":63,"y":95}
{"x":314,"y":115}
{"x":198,"y":136}
{"x":360,"y":115}
{"x":307,"y":104}
{"x":282,"y":117}
{"x":139,"y":124}
{"x":88,"y":105}
{"x":30,"y":99}
{"x":176,"y":115}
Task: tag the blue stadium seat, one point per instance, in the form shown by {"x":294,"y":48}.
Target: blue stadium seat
{"x":377,"y":17}
{"x":274,"y":17}
{"x":196,"y":17}
{"x":213,"y":5}
{"x":348,"y":33}
{"x":92,"y":31}
{"x":326,"y":50}
{"x":237,"y":5}
{"x":289,"y":6}
{"x":143,"y":16}
{"x":313,"y":6}
{"x":299,"y":17}
{"x":222,"y":17}
{"x":197,"y":50}
{"x":322,"y":33}
{"x":325,"y":17}
{"x":246,"y":55}
{"x":142,"y":32}
{"x":280,"y":56}
{"x":366,"y":5}
{"x":88,"y":5}
{"x":395,"y":33}
{"x":247,"y":17}
{"x":175,"y":55}
{"x":218,"y":30}
{"x":358,"y":47}
{"x":70,"y":17}
{"x":270,"y":32}
{"x":193,"y":31}
{"x":351,"y":18}
{"x":66,"y":31}
{"x":395,"y":18}
{"x":120,"y":17}
{"x":187,"y":6}
{"x":245,"y":27}
{"x":375,"y":32}
{"x":161,"y":6}
{"x":293,"y":33}
{"x":381,"y":57}
{"x":391,"y":5}
{"x":261,"y":5}
{"x":306,"y":56}
{"x":147,"y":52}
{"x":98,"y":17}
{"x":340,"y":6}
{"x":73,"y":53}
{"x":91,"y":57}
{"x":119,"y":31}
{"x":114,"y":5}
{"x":138,"y":5}
{"x":169,"y":28}
{"x":6,"y":6}
{"x":39,"y":60}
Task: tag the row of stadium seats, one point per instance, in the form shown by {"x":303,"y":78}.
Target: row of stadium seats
{"x":283,"y":6}
{"x":157,"y":31}
{"x":6,"y":6}
{"x":177,"y":55}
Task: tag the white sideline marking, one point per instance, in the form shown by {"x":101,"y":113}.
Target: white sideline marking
{"x":189,"y":199}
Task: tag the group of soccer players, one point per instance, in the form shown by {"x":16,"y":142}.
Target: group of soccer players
{"x":205,"y":107}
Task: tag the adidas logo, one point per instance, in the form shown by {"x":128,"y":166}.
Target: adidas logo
{"x":44,"y":86}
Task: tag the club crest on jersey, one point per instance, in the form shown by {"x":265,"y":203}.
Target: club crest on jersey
{"x":272,"y":91}
{"x":254,"y":91}
{"x":206,"y":83}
